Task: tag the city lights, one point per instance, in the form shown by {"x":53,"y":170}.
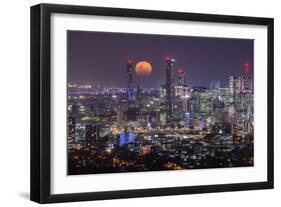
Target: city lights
{"x":148,"y":102}
{"x":173,"y":127}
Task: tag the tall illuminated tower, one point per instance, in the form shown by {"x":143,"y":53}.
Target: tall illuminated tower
{"x":91,"y":135}
{"x":130,"y":89}
{"x":214,"y":87}
{"x":139,"y":94}
{"x":234,"y":88}
{"x":247,"y":82}
{"x":71,"y":132}
{"x":120,"y":117}
{"x":181,"y":77}
{"x":170,"y":89}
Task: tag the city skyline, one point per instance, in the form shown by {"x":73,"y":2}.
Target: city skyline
{"x":160,"y":114}
{"x":99,"y":57}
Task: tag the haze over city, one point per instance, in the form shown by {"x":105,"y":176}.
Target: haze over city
{"x":151,"y":102}
{"x":99,"y":57}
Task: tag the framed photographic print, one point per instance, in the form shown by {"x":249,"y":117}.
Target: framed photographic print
{"x":133,"y":103}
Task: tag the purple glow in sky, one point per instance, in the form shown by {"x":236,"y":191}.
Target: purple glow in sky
{"x":101,"y":57}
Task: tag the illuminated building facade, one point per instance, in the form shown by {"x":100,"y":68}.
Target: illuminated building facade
{"x":214,"y":87}
{"x":234,"y":88}
{"x":139,"y":95}
{"x":181,"y":76}
{"x":130,"y":80}
{"x":246,"y":84}
{"x":91,"y":135}
{"x":126,"y":137}
{"x":202,"y":100}
{"x":246,"y":81}
{"x":120,"y":117}
{"x":162,"y":105}
{"x":71,"y":132}
{"x":170,"y":89}
{"x":224,"y":95}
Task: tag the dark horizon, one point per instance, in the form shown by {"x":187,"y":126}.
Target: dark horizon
{"x":101,"y":57}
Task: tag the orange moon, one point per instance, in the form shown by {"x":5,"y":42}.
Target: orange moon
{"x":143,"y":68}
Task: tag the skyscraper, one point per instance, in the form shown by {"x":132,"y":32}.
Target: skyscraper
{"x":162,"y":107}
{"x":71,"y":132}
{"x":234,"y":88}
{"x":202,"y":100}
{"x":91,"y":135}
{"x":246,"y":80}
{"x":247,"y":84}
{"x":214,"y":87}
{"x":130,"y":89}
{"x":181,"y":77}
{"x":120,"y":117}
{"x":139,"y":94}
{"x":170,"y":89}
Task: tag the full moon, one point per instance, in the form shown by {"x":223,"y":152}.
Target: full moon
{"x":143,"y":68}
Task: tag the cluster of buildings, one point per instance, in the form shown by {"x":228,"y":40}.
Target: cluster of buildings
{"x":180,"y":104}
{"x":104,"y":121}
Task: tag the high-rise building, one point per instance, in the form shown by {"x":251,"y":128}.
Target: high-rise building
{"x":187,"y":119}
{"x":224,"y":95}
{"x":162,"y":94}
{"x":139,"y":94}
{"x":234,"y":88}
{"x":232,"y":114}
{"x":170,"y":89}
{"x":183,"y":96}
{"x":246,"y":80}
{"x":130,"y":87}
{"x":91,"y":135}
{"x":202,"y":100}
{"x":180,"y":75}
{"x":71,"y":132}
{"x":186,"y":103}
{"x":246,"y":84}
{"x":215,"y":88}
{"x":120,"y":117}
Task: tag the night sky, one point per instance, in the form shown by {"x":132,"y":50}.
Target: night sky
{"x":101,"y":57}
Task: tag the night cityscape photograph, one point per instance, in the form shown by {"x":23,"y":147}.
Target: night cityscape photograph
{"x":147,"y":102}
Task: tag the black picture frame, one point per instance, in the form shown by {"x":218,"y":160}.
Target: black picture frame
{"x":41,"y":95}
